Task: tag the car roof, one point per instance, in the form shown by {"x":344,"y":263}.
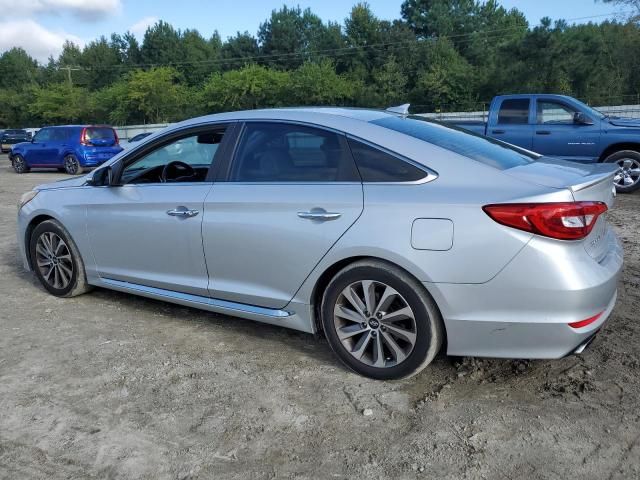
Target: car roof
{"x":315,"y":115}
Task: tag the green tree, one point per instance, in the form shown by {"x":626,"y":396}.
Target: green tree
{"x":154,"y":95}
{"x":18,"y":69}
{"x":252,"y":86}
{"x":319,"y":84}
{"x":59,"y":103}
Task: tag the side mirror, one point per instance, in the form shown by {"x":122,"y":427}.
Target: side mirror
{"x":101,"y":177}
{"x":106,"y":176}
{"x":581,"y":119}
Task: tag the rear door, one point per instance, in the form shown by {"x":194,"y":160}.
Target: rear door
{"x":510,"y":122}
{"x":289,"y":194}
{"x":556,"y":134}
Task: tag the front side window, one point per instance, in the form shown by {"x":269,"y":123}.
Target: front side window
{"x":43,"y":135}
{"x":375,"y":165}
{"x":185,"y":159}
{"x":514,"y":111}
{"x":550,"y":112}
{"x":279,"y":152}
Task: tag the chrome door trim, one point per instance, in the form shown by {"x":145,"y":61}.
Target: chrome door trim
{"x":220,"y":306}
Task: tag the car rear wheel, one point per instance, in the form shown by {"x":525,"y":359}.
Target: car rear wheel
{"x":19,"y":164}
{"x":72,"y":165}
{"x":56,"y":260}
{"x":627,"y":179}
{"x":380,"y":321}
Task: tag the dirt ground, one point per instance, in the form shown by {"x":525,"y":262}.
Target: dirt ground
{"x":108,"y":385}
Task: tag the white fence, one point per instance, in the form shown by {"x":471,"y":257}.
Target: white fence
{"x":129,"y":131}
{"x":630,"y":111}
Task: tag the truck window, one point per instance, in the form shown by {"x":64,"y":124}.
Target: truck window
{"x":514,"y":111}
{"x":554,"y":113}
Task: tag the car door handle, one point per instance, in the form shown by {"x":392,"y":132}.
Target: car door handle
{"x":183,"y":212}
{"x":497,"y":132}
{"x":319,"y":215}
{"x":543,"y":132}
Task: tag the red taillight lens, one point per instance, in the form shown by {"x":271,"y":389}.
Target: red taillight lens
{"x":563,"y":221}
{"x":115,"y":135}
{"x":83,"y":138}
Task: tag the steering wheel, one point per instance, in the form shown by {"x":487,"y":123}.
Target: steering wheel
{"x":177,"y":171}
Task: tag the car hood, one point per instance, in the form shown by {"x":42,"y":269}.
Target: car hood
{"x":65,"y":183}
{"x":625,"y":122}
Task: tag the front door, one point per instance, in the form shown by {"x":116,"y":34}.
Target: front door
{"x":291,"y":193}
{"x":556,"y":133}
{"x":148,"y":231}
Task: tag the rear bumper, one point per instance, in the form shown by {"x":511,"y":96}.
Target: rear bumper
{"x":525,"y":311}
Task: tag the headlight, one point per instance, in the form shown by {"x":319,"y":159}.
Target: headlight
{"x":26,"y":198}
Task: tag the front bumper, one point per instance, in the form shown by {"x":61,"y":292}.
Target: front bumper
{"x":525,"y":311}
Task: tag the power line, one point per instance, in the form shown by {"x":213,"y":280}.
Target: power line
{"x":270,"y":58}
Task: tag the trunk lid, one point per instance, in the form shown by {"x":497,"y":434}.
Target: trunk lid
{"x":586,"y":181}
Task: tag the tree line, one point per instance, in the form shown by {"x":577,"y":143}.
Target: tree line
{"x":440,"y":55}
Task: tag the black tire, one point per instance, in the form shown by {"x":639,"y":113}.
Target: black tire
{"x":72,"y":165}
{"x":632,"y":159}
{"x":77,"y":283}
{"x":428,"y":326}
{"x":19,"y":164}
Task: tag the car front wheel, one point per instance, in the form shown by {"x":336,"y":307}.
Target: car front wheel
{"x":380,"y":321}
{"x":56,"y":260}
{"x":72,"y":165}
{"x":19,"y":164}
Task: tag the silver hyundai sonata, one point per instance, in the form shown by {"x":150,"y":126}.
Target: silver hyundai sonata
{"x":392,"y":234}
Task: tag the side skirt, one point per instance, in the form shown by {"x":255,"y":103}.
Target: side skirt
{"x":298,"y":317}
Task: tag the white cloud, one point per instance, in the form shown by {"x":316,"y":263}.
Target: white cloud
{"x":34,"y":38}
{"x":140,"y":27}
{"x":84,"y":9}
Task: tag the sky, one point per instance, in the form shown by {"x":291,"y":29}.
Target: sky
{"x":42,"y":26}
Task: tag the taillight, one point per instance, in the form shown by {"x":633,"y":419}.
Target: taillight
{"x":83,"y":138}
{"x":586,"y":321}
{"x":563,"y":221}
{"x":115,"y":135}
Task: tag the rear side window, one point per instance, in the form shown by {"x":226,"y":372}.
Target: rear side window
{"x":280,"y":152}
{"x":59,"y":135}
{"x":476,"y":147}
{"x":375,"y":165}
{"x":514,"y":111}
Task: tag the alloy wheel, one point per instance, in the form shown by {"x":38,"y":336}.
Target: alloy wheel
{"x":53,"y":258}
{"x":375,"y":324}
{"x":628,"y":174}
{"x":18,"y":164}
{"x":71,"y":165}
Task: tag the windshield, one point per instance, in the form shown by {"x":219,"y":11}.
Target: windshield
{"x":15,"y":132}
{"x":483,"y":149}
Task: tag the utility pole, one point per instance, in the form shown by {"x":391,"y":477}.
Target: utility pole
{"x":69,"y":70}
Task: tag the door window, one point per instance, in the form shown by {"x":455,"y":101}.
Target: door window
{"x":375,"y":165}
{"x":185,"y":159}
{"x":550,"y":112}
{"x":278,"y":152}
{"x":514,"y":111}
{"x":44,"y":135}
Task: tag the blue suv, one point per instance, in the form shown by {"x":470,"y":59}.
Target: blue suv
{"x":69,"y":148}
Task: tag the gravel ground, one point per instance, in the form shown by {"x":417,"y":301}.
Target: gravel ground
{"x":108,"y":385}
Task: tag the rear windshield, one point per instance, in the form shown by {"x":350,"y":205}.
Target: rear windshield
{"x":471,"y":145}
{"x":100,"y":133}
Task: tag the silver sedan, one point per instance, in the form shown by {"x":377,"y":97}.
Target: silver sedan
{"x":393,"y":235}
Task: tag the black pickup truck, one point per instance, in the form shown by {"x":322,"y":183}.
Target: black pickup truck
{"x":11,"y":137}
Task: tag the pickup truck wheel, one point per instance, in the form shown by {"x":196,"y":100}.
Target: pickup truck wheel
{"x":72,"y":165}
{"x":627,"y":179}
{"x":19,"y":164}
